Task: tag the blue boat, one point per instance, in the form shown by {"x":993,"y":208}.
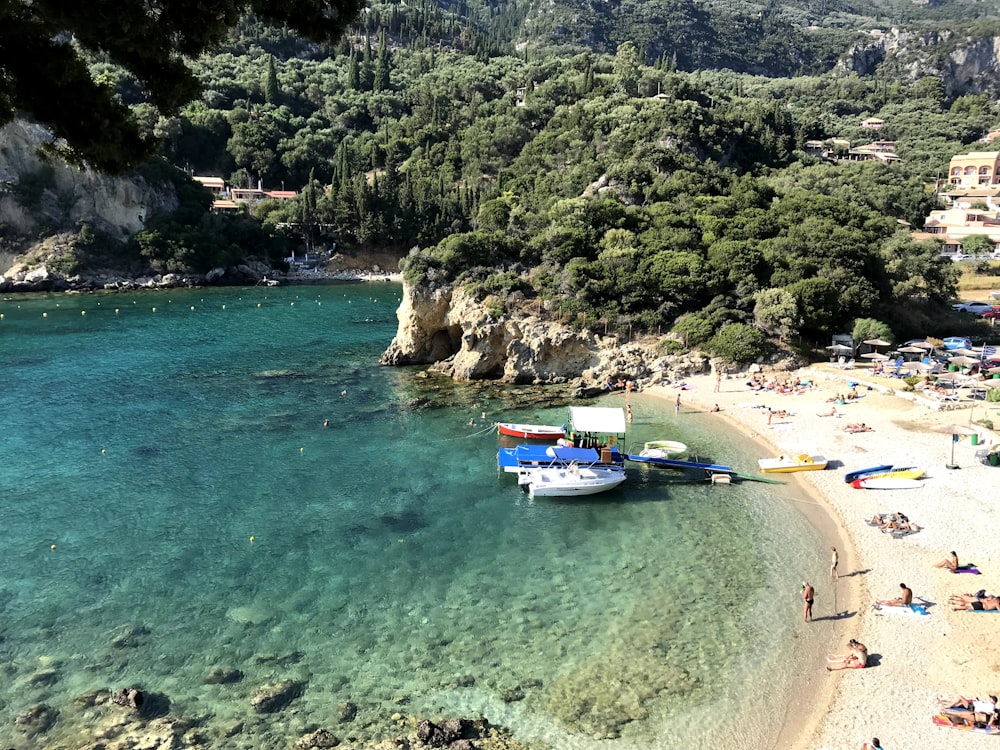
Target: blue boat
{"x":522,"y":457}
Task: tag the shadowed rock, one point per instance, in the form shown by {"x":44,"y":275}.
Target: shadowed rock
{"x":273,"y":697}
{"x":37,"y":719}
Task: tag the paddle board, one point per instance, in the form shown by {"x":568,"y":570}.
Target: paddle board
{"x":859,"y":473}
{"x":889,"y":609}
{"x":886,"y":483}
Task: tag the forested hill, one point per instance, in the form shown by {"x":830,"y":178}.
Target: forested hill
{"x":531,"y":152}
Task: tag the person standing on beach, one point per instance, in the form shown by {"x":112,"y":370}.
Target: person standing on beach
{"x":628,"y":413}
{"x":677,"y":404}
{"x":718,"y":380}
{"x":834,"y":561}
{"x":808,"y":596}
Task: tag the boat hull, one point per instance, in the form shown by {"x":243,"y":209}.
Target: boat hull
{"x":861,"y":473}
{"x":786,"y":465}
{"x":572,"y":481}
{"x":531,"y":431}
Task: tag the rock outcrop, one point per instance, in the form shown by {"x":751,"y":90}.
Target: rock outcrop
{"x":964,"y":64}
{"x":457,"y":336}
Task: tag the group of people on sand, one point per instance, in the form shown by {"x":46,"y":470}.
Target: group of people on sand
{"x":972,"y":712}
{"x":758,"y":382}
{"x":897,"y":521}
{"x":856,"y":657}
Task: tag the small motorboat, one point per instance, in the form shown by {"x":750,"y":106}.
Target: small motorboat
{"x":531,"y":431}
{"x":572,"y":480}
{"x":663,"y":449}
{"x":784,"y":464}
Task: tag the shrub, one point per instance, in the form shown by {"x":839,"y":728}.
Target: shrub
{"x":993,"y":395}
{"x":738,"y":344}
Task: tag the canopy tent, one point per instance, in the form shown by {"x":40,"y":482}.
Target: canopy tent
{"x":601,"y":419}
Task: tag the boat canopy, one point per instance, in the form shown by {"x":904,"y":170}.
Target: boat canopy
{"x":602,"y":419}
{"x":581,"y":455}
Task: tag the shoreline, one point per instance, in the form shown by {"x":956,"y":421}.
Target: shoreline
{"x":914,"y":660}
{"x":812,"y":694}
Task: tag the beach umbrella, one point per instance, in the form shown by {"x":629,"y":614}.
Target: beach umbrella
{"x":956,"y":431}
{"x":911,"y":349}
{"x":877,"y":342}
{"x":962,"y":352}
{"x":874,"y":355}
{"x":923,"y":344}
{"x":839,"y":348}
{"x":963,"y":360}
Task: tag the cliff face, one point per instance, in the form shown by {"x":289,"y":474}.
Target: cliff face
{"x":46,"y":197}
{"x":449,"y":330}
{"x":964,"y":64}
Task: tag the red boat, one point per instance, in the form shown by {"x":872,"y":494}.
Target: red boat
{"x":531,"y":431}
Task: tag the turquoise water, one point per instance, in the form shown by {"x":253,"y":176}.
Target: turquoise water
{"x":174,"y":505}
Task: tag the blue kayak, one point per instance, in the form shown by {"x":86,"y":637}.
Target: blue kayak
{"x":859,"y":473}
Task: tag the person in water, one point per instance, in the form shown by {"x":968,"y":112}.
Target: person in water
{"x":808,"y":597}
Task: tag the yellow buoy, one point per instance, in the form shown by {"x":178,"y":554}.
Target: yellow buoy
{"x":223,"y":307}
{"x":116,"y":311}
{"x":302,"y":450}
{"x":192,"y":307}
{"x":45,"y":315}
{"x":52,"y":547}
{"x":103,"y":451}
{"x":154,"y":309}
{"x":251,"y":540}
{"x":83,"y":312}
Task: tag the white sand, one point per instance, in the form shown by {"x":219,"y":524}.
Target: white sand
{"x":915,"y":659}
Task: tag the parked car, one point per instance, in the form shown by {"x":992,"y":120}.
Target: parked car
{"x":957,"y":342}
{"x":994,"y":313}
{"x":977,"y":308}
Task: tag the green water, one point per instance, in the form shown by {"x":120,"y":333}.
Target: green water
{"x":204,"y":518}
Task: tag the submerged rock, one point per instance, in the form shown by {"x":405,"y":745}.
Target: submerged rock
{"x":223,"y":676}
{"x":321,"y":738}
{"x":35,"y":720}
{"x":273,"y":697}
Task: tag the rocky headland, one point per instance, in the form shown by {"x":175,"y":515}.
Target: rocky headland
{"x":447,"y":329}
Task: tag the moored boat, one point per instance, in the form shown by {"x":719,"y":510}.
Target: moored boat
{"x":531,"y":431}
{"x":572,"y":480}
{"x":785,"y":464}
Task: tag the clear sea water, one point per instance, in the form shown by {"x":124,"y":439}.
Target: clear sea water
{"x":173,"y":505}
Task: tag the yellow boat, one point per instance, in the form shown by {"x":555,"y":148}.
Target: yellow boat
{"x":785,"y":464}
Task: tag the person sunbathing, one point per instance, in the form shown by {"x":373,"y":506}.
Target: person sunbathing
{"x":899,"y":524}
{"x":973,"y":712}
{"x":855,"y":658}
{"x":950,"y":562}
{"x":857,"y":427}
{"x":986,"y":604}
{"x":905,"y":598}
{"x":831,"y":413}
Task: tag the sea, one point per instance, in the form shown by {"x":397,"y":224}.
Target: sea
{"x":211,"y":491}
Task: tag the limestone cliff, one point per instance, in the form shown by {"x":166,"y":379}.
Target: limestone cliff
{"x":456,"y":335}
{"x":965,"y":64}
{"x":38,"y":196}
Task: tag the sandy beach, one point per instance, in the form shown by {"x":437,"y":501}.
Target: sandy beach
{"x":913,"y":660}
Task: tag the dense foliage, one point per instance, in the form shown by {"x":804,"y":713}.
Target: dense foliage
{"x":45,"y":46}
{"x":630,"y":194}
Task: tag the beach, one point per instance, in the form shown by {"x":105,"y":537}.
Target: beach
{"x":913,"y":660}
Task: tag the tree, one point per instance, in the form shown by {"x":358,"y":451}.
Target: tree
{"x":866,"y":329}
{"x":44,"y":47}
